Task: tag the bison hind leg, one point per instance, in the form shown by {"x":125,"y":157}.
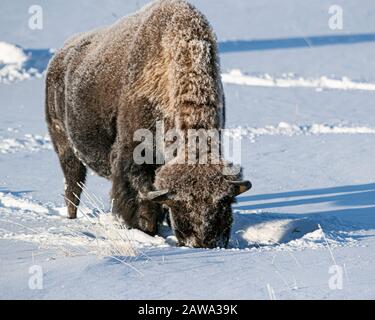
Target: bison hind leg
{"x":75,"y":176}
{"x":73,"y":169}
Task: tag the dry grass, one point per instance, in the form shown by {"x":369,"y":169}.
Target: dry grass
{"x":113,"y":238}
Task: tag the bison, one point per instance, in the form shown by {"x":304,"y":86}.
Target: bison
{"x":158,"y":64}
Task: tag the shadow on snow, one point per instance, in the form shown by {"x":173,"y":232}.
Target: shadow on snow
{"x":358,"y":202}
{"x":294,"y":43}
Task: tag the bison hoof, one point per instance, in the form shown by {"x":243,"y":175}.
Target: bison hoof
{"x":72,"y":215}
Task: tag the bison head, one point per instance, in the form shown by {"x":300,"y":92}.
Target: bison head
{"x":199,"y":198}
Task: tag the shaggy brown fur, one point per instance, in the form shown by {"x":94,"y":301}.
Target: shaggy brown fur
{"x":160,"y":63}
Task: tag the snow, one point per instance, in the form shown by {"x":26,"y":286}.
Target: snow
{"x":300,"y":98}
{"x":286,"y":129}
{"x":9,"y":201}
{"x":10,"y":54}
{"x":29,"y":142}
{"x":12,"y":64}
{"x":236,"y":77}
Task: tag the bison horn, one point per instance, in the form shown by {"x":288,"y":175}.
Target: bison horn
{"x":159,"y":196}
{"x":243,"y":186}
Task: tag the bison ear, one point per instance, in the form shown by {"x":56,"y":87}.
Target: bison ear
{"x":242,"y":186}
{"x":161,"y":196}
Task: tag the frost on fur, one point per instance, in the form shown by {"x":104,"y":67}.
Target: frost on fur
{"x":159,"y":64}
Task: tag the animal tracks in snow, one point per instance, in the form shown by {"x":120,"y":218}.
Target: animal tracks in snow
{"x":29,"y":142}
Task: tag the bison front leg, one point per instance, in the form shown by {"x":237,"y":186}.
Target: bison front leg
{"x":147,"y":216}
{"x":129,"y":184}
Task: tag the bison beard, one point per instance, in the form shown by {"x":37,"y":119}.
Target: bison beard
{"x":159,"y":64}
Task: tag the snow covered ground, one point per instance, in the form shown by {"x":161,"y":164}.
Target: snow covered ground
{"x":299,"y":95}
